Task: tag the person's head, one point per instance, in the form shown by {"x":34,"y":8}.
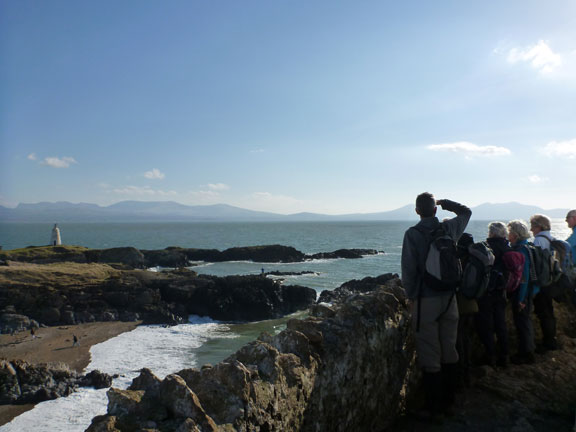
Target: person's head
{"x":571,"y":218}
{"x":464,"y":241}
{"x":539,"y":223}
{"x":426,"y":205}
{"x":518,"y":231}
{"x":497,"y":230}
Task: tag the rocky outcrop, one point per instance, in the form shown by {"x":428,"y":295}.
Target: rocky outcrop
{"x":354,"y":287}
{"x":124,"y":255}
{"x":348,"y":366}
{"x":247,"y":298}
{"x":66,"y":293}
{"x":344,"y":253}
{"x":343,"y":368}
{"x":11,"y":322}
{"x":172,"y":257}
{"x":281,"y":273}
{"x":21,"y":382}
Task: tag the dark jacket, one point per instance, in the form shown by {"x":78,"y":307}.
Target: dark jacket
{"x":499,"y":246}
{"x":415,"y":248}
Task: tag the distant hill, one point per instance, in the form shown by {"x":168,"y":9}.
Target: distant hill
{"x":169,"y":211}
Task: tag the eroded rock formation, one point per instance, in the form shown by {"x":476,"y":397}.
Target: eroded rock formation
{"x":348,"y":366}
{"x":344,"y":368}
{"x":22,"y":382}
{"x":71,"y":293}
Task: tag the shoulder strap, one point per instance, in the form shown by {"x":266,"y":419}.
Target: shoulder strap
{"x":531,"y":252}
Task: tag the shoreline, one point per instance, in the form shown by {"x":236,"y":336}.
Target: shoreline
{"x":53,"y":345}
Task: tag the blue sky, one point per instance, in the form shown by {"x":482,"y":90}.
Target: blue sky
{"x":288,"y":106}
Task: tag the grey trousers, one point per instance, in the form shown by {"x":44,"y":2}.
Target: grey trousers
{"x":436,"y":337}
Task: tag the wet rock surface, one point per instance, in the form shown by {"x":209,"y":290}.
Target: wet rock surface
{"x":22,"y":382}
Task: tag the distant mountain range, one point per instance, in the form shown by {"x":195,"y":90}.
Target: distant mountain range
{"x":168,"y":211}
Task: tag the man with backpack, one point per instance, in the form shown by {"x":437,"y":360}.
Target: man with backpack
{"x":543,"y":303}
{"x":431,"y":271}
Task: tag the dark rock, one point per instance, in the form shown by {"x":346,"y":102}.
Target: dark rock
{"x":183,"y":402}
{"x":96,"y":379}
{"x":341,"y":373}
{"x":170,"y":257}
{"x":154,"y":297}
{"x":50,"y":315}
{"x":12,"y":322}
{"x":123,"y":255}
{"x":247,"y":298}
{"x":22,"y":382}
{"x":146,"y":381}
{"x":281,"y":273}
{"x":354,"y":286}
{"x":9,"y":387}
{"x":67,"y":317}
{"x":344,"y":253}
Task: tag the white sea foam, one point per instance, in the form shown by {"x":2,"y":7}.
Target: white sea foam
{"x":202,"y":264}
{"x":164,"y":350}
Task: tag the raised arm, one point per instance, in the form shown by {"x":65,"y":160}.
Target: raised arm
{"x":457,"y":225}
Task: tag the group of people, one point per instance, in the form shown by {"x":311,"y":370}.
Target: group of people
{"x":443,"y":319}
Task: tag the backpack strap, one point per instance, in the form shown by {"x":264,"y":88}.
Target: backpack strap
{"x":427,"y":234}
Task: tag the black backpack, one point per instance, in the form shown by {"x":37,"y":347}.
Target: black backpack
{"x":443,"y":271}
{"x":477,"y":271}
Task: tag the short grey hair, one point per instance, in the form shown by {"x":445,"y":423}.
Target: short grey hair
{"x":497,"y":229}
{"x":541,"y":221}
{"x":519,"y":229}
{"x":571,"y":213}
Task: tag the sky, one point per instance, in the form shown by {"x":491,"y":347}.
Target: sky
{"x":288,"y":105}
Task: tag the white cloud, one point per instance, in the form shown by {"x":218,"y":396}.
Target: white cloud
{"x":32,"y":157}
{"x":218,"y":186}
{"x":535,"y":178}
{"x":142,"y":191}
{"x":154,"y":174}
{"x":540,"y":56}
{"x":470,"y":150}
{"x":257,"y":151}
{"x":55,"y":162}
{"x":565,"y":149}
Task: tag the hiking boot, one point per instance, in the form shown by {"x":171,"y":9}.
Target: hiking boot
{"x":523,"y":358}
{"x":502,"y":362}
{"x":488,"y":360}
{"x":427,"y":416}
{"x":547,"y":346}
{"x":450,"y":375}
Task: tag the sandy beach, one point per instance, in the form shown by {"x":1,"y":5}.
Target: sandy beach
{"x":55,"y":344}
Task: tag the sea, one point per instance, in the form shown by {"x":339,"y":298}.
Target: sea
{"x":202,"y":340}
